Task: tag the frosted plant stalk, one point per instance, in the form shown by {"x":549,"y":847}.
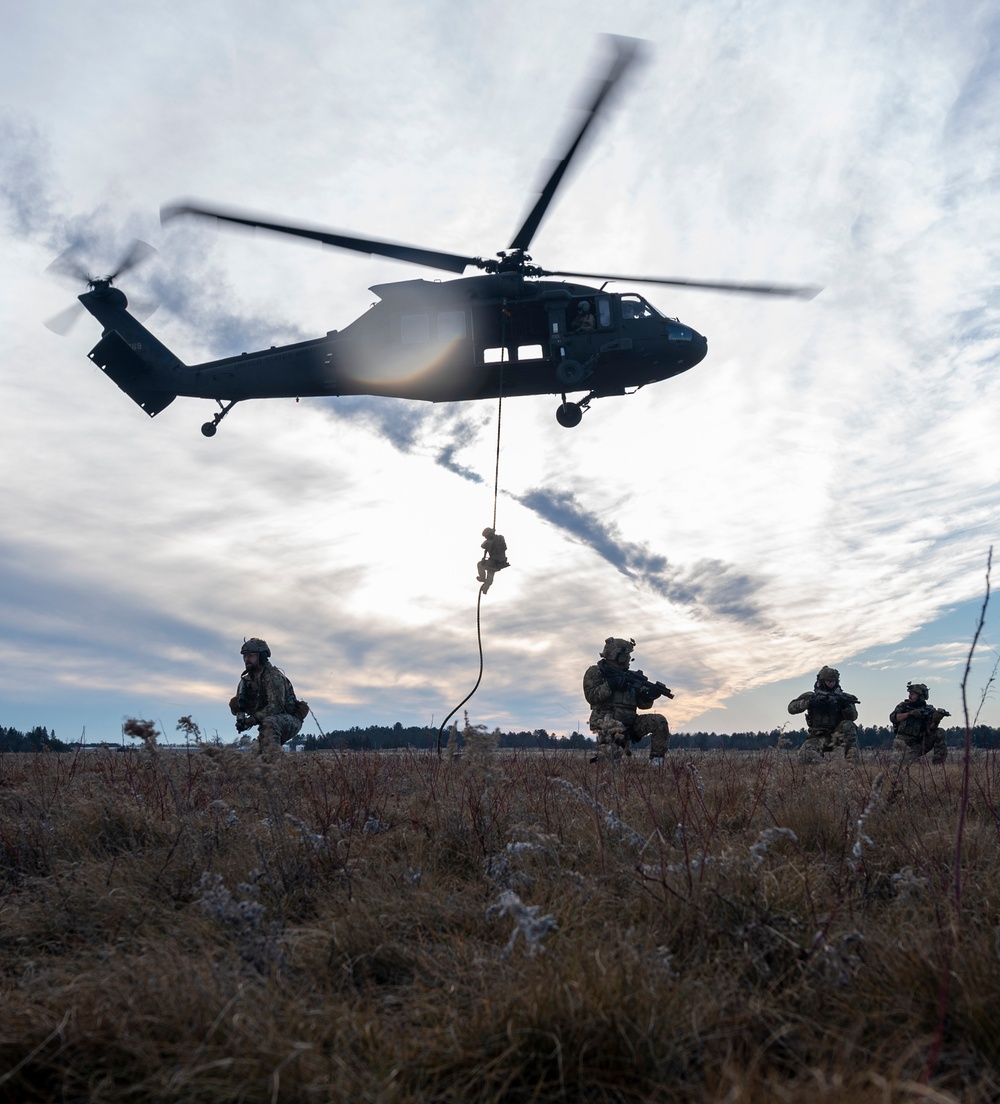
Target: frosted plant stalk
{"x":768,"y":836}
{"x":527,"y":922}
{"x":860,"y":837}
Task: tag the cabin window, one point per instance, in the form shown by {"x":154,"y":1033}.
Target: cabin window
{"x":414,"y":329}
{"x":451,"y":325}
{"x":634,"y":306}
{"x":495,"y":356}
{"x":529,"y":352}
{"x":580,"y":317}
{"x":603,"y":312}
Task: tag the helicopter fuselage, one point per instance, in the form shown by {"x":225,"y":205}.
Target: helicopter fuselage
{"x":477,"y":337}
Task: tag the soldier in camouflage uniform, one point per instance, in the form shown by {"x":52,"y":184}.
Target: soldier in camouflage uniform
{"x":615,"y":694}
{"x":265,"y":698}
{"x":494,"y":558}
{"x":830,"y":716}
{"x":917,"y":726}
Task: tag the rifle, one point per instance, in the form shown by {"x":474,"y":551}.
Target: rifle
{"x":836,"y":694}
{"x":244,"y":694}
{"x":930,"y":718}
{"x":634,"y":680}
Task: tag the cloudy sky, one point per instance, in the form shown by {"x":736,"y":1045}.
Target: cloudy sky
{"x":823,"y":488}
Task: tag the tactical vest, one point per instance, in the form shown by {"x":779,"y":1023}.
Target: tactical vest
{"x":825,"y":710}
{"x":918,"y":721}
{"x":252,"y":694}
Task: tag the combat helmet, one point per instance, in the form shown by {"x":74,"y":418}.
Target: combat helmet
{"x":614,"y":646}
{"x":255,"y":644}
{"x":919,"y":689}
{"x":825,"y":673}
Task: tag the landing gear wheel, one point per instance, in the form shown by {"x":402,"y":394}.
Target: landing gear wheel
{"x":569,"y":415}
{"x":209,"y":428}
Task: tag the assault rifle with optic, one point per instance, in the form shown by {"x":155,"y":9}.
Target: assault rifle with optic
{"x":634,"y":680}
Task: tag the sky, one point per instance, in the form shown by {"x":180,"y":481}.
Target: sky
{"x":822,"y":489}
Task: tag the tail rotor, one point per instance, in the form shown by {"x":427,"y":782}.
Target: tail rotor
{"x":68,"y":267}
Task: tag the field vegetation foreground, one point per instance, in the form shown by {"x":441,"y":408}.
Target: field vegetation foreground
{"x":199,"y":926}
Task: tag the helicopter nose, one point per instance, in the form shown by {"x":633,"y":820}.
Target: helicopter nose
{"x":688,"y":344}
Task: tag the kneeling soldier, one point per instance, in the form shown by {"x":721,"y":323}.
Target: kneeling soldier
{"x":615,"y":694}
{"x":265,"y":698}
{"x":830,"y":716}
{"x":917,"y":726}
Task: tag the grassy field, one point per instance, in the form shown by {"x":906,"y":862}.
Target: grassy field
{"x":198,"y":926}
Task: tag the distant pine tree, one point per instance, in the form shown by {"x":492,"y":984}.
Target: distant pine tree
{"x":38,"y":739}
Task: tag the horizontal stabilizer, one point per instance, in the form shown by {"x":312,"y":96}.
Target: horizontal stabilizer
{"x":125,"y":365}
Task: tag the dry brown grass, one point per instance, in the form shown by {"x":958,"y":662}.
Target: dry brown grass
{"x":199,"y":927}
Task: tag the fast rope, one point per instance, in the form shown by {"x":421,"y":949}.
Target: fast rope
{"x":504,"y":314}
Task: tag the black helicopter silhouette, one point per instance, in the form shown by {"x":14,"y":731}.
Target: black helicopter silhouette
{"x":510,"y":331}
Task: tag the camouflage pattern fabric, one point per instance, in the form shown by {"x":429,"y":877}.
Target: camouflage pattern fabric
{"x":267,"y":696}
{"x":918,"y":732}
{"x":273,"y":732}
{"x":820,"y":742}
{"x":830,"y":717}
{"x":614,"y":719}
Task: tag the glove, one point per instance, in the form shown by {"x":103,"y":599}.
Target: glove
{"x":244,"y":721}
{"x":617,"y":680}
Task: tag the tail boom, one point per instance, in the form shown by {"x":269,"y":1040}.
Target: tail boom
{"x":129,"y":355}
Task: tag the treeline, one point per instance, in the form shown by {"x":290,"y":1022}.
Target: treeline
{"x":385,"y":737}
{"x":871,"y":736}
{"x":38,"y":739}
{"x":378,"y":737}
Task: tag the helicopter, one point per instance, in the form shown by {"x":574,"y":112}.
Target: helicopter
{"x":514,"y":329}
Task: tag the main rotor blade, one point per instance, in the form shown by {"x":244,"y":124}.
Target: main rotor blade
{"x":626,"y":51}
{"x":429,"y":258}
{"x":791,"y":290}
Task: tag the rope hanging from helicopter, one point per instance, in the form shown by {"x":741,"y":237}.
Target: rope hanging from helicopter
{"x":494,"y":545}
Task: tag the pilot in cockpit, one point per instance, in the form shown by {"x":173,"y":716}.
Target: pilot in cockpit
{"x":583,"y":320}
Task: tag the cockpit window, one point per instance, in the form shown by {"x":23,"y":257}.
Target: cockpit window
{"x":634,"y":306}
